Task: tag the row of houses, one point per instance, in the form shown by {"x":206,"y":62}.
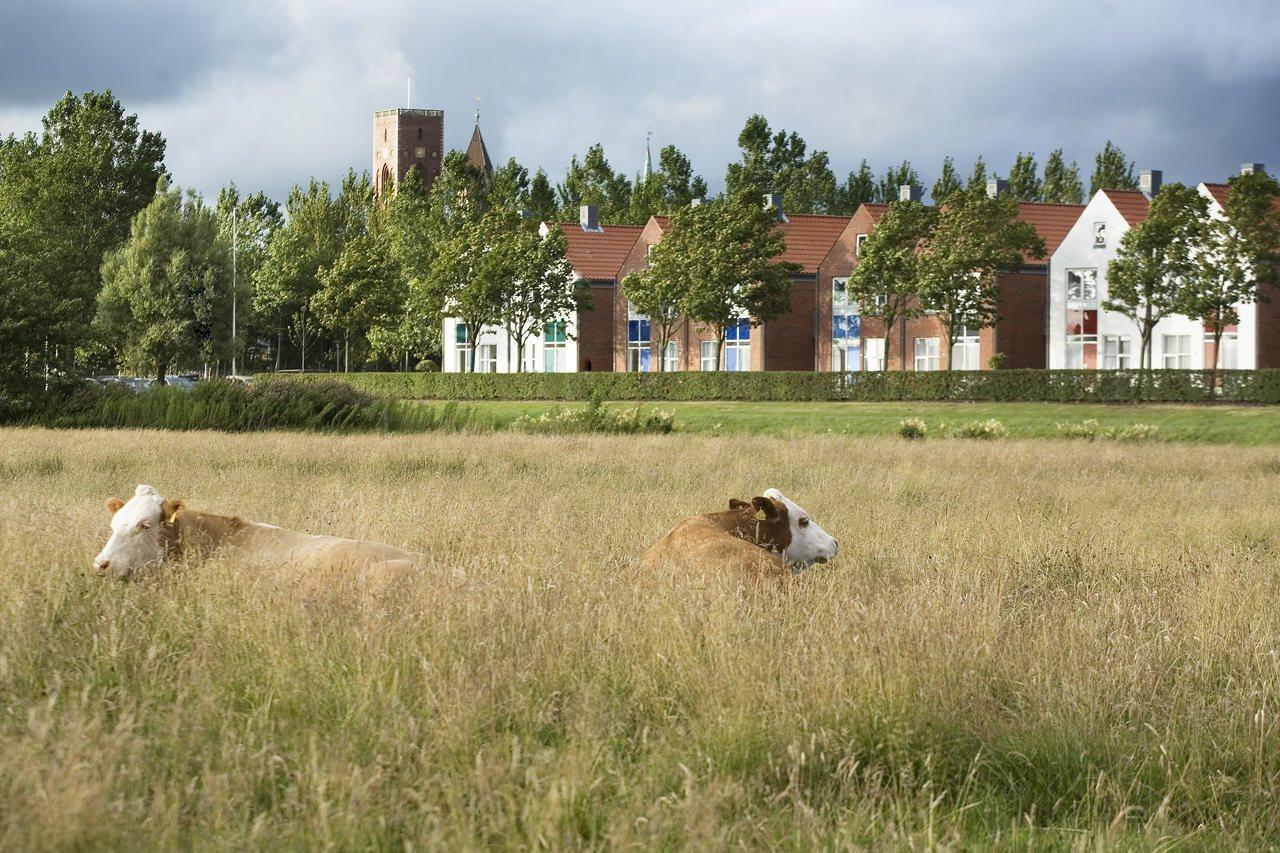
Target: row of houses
{"x":1051,"y":312}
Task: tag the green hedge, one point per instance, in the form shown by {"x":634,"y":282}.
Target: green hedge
{"x":1093,"y":386}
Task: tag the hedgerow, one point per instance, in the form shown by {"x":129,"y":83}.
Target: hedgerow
{"x":1091,"y":386}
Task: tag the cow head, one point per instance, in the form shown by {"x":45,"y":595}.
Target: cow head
{"x":805,"y":541}
{"x":142,"y":531}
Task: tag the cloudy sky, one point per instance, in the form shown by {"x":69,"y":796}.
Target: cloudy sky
{"x":270,"y":93}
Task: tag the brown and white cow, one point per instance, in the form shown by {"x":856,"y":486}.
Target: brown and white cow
{"x":147,"y":530}
{"x":771,"y":534}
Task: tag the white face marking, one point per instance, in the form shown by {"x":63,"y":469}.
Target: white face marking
{"x":135,"y":536}
{"x":809,"y":542}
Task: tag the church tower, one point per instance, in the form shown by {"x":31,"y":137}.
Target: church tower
{"x":403,"y":139}
{"x":477,"y":153}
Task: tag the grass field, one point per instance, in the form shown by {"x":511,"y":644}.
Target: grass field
{"x":1028,"y":644}
{"x":1203,"y":424}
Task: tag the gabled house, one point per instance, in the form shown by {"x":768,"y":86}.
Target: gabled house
{"x":821,"y":246}
{"x":584,"y":339}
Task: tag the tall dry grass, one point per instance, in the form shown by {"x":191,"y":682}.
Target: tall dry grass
{"x":1031,"y":644}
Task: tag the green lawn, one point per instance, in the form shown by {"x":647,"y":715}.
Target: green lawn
{"x":1209,"y":424}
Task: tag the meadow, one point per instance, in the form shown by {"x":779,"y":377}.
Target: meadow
{"x":1044,"y":644}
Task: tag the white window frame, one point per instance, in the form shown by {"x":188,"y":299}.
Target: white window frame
{"x":1117,"y":352}
{"x":555,"y":353}
{"x":671,"y":357}
{"x":857,"y":246}
{"x":486,"y":358}
{"x":873,"y":354}
{"x":1230,"y":344}
{"x":1081,"y":298}
{"x":707,"y":355}
{"x":930,"y":359}
{"x":462,"y":351}
{"x":1178,"y":355}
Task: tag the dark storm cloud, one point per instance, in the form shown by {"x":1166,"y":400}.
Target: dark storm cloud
{"x":270,"y":95}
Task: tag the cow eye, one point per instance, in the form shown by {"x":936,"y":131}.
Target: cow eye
{"x":804,"y":522}
{"x":143,"y":525}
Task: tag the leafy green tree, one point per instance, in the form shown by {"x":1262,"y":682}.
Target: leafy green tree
{"x":415,"y":329}
{"x":542,"y":198}
{"x":978,"y":175}
{"x":659,"y":292}
{"x":726,"y":251}
{"x":593,"y":181}
{"x":859,"y":189}
{"x":680,"y":185}
{"x":165,"y":291}
{"x":890,"y":268}
{"x":779,"y":162}
{"x":305,"y":246}
{"x":1111,"y":171}
{"x":894,"y":178}
{"x":509,"y":186}
{"x":948,"y":182}
{"x":469,"y":276}
{"x":539,"y":286}
{"x":67,"y":197}
{"x":1146,"y":279}
{"x":1061,"y":183}
{"x":1024,"y":182}
{"x":362,"y":289}
{"x":974,"y":237}
{"x":248,"y":224}
{"x":1236,"y":256}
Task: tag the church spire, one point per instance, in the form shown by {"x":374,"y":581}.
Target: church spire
{"x":648,"y":159}
{"x":477,"y":153}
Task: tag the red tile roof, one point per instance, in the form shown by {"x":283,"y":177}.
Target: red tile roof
{"x":1132,"y":205}
{"x":599,"y":255}
{"x":810,"y":238}
{"x":1219,"y":192}
{"x":1051,"y":221}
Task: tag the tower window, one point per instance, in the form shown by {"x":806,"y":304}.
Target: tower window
{"x":384,"y":134}
{"x":419,"y":134}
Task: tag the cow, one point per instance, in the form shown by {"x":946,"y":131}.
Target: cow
{"x":147,"y":530}
{"x":771,"y":535}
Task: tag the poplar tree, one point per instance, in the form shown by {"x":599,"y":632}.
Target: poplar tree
{"x":1024,"y":183}
{"x":948,"y":182}
{"x":1061,"y":183}
{"x":1111,"y":171}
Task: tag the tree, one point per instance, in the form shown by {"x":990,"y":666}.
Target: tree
{"x":889,"y":269}
{"x":680,"y":185}
{"x":468,"y":276}
{"x":289,"y":278}
{"x":727,"y":253}
{"x":414,"y":329}
{"x":659,"y":292}
{"x":256,"y":218}
{"x":975,"y":237}
{"x":1155,"y":258}
{"x":948,"y":182}
{"x":978,"y":175}
{"x":1024,"y":183}
{"x":539,"y":282}
{"x":1111,"y":171}
{"x":1236,"y":254}
{"x":67,"y":197}
{"x":165,"y":290}
{"x":1061,"y":183}
{"x":593,"y":181}
{"x":779,"y":162}
{"x":859,"y":189}
{"x":542,"y":198}
{"x":894,"y":178}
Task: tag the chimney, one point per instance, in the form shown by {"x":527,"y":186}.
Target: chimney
{"x":1253,"y":168}
{"x":910,"y":192}
{"x":774,"y":200}
{"x":589,"y":217}
{"x":1149,"y":182}
{"x":997,"y":186}
{"x":697,"y":202}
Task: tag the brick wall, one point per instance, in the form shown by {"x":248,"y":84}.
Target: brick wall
{"x":595,"y":329}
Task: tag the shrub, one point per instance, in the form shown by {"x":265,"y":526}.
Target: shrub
{"x":1086,"y":429}
{"x":427,"y":365}
{"x":912,"y":429}
{"x":595,"y":417}
{"x":988,"y":429}
{"x":1096,"y":386}
{"x":1090,"y":430}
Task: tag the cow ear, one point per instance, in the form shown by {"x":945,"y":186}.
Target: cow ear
{"x":734,"y":503}
{"x":114,"y":504}
{"x":766,"y":509}
{"x":171,"y":510}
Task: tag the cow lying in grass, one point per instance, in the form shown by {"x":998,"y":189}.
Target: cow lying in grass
{"x":770,"y":535}
{"x":148,"y":530}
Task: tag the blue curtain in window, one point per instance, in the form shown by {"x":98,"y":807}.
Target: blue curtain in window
{"x":637,"y":331}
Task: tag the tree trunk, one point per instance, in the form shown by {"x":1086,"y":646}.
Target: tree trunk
{"x":279,"y":345}
{"x":161,"y":364}
{"x":346,"y":352}
{"x":519,"y":353}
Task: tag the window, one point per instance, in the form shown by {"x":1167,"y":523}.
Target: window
{"x":862,"y":238}
{"x":965,"y":352}
{"x":927,"y":352}
{"x":648,"y":254}
{"x":1082,"y":339}
{"x":1099,"y":235}
{"x":419,"y":152}
{"x":462,"y":345}
{"x":487,"y":358}
{"x":671,"y":357}
{"x":1227,"y":358}
{"x":877,"y":302}
{"x":1116,"y":352}
{"x":737,"y":346}
{"x":1177,"y":352}
{"x":419,"y":134}
{"x":846,"y":329}
{"x":875,"y":354}
{"x":708,"y":355}
{"x":638,"y":345}
{"x":553,"y":350}
{"x":530,"y":356}
{"x":1082,"y":286}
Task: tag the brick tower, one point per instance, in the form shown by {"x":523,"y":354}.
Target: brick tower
{"x":402,"y":139}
